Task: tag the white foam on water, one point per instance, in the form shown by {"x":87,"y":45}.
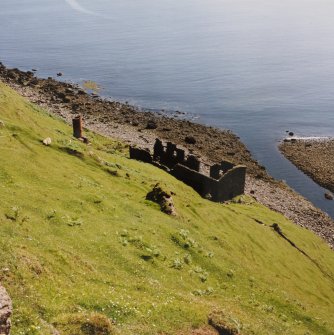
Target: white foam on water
{"x":310,"y":138}
{"x":77,"y":7}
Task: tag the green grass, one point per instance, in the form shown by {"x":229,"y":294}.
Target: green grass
{"x":79,"y":241}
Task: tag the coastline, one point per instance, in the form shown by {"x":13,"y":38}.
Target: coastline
{"x":313,"y":156}
{"x":128,"y":124}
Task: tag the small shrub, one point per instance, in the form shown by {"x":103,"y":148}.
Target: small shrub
{"x":205,"y":292}
{"x":210,"y":254}
{"x":177,"y":264}
{"x":200,"y":273}
{"x":75,"y":221}
{"x":183,"y":239}
{"x":51,"y":215}
{"x":13,"y":214}
{"x":187,"y":259}
{"x":230,"y":273}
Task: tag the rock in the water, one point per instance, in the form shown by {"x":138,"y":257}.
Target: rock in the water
{"x":151,"y":124}
{"x":6,"y":310}
{"x":47,"y":141}
{"x":329,"y":196}
{"x":291,"y":133}
{"x":59,"y":74}
{"x":190,"y":140}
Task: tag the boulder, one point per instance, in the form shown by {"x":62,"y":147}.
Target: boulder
{"x":151,"y":124}
{"x":190,"y":140}
{"x":6,"y":310}
{"x":47,"y":141}
{"x":329,"y":196}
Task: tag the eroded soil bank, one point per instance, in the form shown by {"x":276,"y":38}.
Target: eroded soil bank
{"x":315,"y":157}
{"x":129,"y":124}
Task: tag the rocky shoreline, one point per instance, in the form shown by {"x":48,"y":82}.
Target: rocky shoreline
{"x":312,"y":156}
{"x":129,"y":124}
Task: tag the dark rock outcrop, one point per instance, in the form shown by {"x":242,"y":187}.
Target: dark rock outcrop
{"x":162,"y":198}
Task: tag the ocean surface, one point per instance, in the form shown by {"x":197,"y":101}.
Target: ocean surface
{"x":257,"y":67}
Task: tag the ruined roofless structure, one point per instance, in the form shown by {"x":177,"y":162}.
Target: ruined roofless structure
{"x":225,"y":181}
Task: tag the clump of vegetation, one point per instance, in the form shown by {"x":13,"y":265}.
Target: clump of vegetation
{"x":183,"y":239}
{"x":90,"y":85}
{"x":200,"y":273}
{"x":224,"y":323}
{"x":84,"y":324}
{"x":13,"y":213}
{"x":207,"y":291}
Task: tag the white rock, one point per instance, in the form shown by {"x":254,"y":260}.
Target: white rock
{"x":47,"y":141}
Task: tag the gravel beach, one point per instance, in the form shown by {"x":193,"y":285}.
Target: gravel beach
{"x":315,"y":157}
{"x":136,"y":127}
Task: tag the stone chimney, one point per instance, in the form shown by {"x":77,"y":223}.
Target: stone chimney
{"x":77,"y":127}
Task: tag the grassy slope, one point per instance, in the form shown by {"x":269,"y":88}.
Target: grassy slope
{"x":72,"y":238}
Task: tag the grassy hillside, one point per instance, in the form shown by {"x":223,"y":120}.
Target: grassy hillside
{"x":80,"y":245}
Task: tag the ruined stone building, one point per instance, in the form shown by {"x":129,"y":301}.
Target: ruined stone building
{"x":224,"y":182}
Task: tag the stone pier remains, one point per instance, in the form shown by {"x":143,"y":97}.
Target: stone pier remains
{"x":224,"y":182}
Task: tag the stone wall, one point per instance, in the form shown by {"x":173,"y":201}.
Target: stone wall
{"x":230,"y":185}
{"x":200,"y":183}
{"x":140,"y":155}
{"x":171,"y":155}
{"x":5,"y":312}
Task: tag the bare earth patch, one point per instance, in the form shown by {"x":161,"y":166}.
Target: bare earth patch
{"x":201,"y":331}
